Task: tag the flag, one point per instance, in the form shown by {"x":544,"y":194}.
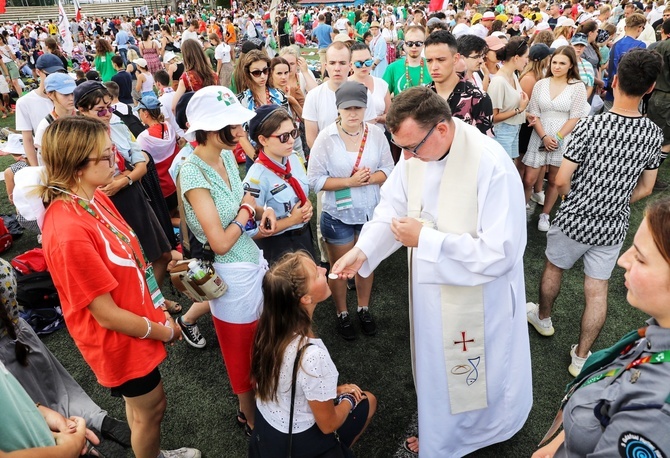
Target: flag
{"x":77,"y":10}
{"x":64,"y":30}
{"x":3,"y":3}
{"x":435,"y":5}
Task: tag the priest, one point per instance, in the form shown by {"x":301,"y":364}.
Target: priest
{"x":456,"y":202}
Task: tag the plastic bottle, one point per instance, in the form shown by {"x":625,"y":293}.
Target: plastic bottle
{"x":197,"y":271}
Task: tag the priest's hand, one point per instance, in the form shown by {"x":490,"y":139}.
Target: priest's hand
{"x":349,"y":264}
{"x":406,"y":231}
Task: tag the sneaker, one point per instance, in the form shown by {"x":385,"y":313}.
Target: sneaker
{"x":367,"y":323}
{"x":115,"y":430}
{"x":544,"y":327}
{"x":191,"y":334}
{"x":543,"y":223}
{"x":345,"y":327}
{"x":537,"y":197}
{"x":577,"y":363}
{"x":183,"y":452}
{"x":351,"y":284}
{"x":660,"y":185}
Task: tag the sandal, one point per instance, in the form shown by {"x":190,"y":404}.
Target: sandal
{"x":406,"y":445}
{"x":173,"y":307}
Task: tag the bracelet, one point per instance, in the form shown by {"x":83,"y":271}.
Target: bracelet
{"x":148,"y":328}
{"x":542,"y":139}
{"x":250,"y":209}
{"x":349,"y":397}
{"x":517,"y":111}
{"x":238,"y":224}
{"x":559,"y":136}
{"x":171,"y":333}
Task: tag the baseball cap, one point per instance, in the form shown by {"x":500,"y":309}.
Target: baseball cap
{"x":214,"y":107}
{"x":250,"y":46}
{"x":262,"y":114}
{"x":49,"y":63}
{"x":603,"y":36}
{"x":579,"y":39}
{"x":92,"y":75}
{"x":86,"y":88}
{"x":565,"y":22}
{"x":140,"y":62}
{"x":59,"y":82}
{"x":494,"y":43}
{"x":148,"y":102}
{"x":351,"y":94}
{"x":433,"y":22}
{"x":539,"y":51}
{"x":489,"y":16}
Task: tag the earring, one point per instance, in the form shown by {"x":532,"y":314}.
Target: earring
{"x":79,"y":180}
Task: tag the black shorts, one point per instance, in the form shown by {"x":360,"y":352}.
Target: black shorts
{"x":138,"y":386}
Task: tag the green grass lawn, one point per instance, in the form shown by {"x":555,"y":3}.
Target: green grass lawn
{"x":201,"y":406}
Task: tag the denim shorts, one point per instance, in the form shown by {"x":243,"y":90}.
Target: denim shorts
{"x":508,"y":137}
{"x":336,"y":232}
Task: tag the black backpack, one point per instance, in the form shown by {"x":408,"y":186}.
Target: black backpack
{"x":39,"y":303}
{"x":131,"y":121}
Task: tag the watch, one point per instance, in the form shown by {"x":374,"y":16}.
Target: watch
{"x":130,"y":180}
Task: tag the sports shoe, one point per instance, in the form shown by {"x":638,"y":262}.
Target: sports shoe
{"x":115,"y":430}
{"x":543,"y":223}
{"x":367,"y":323}
{"x":537,"y":197}
{"x":183,"y":452}
{"x":351,"y":284}
{"x":544,"y":327}
{"x":191,"y":333}
{"x":345,"y":327}
{"x":577,"y":363}
{"x":660,"y":185}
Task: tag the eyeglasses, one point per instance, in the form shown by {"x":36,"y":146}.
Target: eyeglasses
{"x":361,"y":63}
{"x":414,"y":44}
{"x":110,"y":158}
{"x":476,"y":57}
{"x":103,"y":112}
{"x":414,"y":151}
{"x":283,"y":138}
{"x":257,"y":73}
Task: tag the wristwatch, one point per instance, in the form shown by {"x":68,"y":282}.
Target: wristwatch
{"x":130,"y":180}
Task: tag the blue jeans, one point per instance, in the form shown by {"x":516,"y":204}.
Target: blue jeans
{"x":123,"y":52}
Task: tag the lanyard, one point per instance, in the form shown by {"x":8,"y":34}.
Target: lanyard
{"x":408,"y":80}
{"x":360,"y":150}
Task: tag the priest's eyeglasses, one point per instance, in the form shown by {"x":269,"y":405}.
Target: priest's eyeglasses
{"x":415,"y":151}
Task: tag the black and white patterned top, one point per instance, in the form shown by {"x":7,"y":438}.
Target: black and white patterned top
{"x":612,"y":152}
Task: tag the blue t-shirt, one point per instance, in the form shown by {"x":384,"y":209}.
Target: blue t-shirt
{"x":322,"y":33}
{"x":620,"y":48}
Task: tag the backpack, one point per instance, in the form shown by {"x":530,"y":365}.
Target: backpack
{"x":6,"y":238}
{"x":131,"y":121}
{"x":30,"y":262}
{"x":38,"y":299}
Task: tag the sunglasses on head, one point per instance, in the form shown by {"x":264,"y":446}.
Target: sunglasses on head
{"x":414,"y":44}
{"x":283,"y":138}
{"x":362,"y":63}
{"x":103,"y":112}
{"x":257,"y":73}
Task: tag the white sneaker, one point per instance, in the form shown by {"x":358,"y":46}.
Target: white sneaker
{"x":577,"y":363}
{"x":183,"y":452}
{"x":544,"y":327}
{"x":537,"y":197}
{"x":543,"y":223}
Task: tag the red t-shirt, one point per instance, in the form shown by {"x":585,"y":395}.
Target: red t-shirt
{"x":193,"y":82}
{"x":87,"y":260}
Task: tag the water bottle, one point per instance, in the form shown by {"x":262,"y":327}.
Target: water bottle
{"x":196,"y":270}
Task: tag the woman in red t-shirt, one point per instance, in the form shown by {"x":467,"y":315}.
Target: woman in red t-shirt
{"x":110,"y":299}
{"x":198,"y":71}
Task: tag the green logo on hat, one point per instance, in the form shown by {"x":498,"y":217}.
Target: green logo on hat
{"x":226,"y":98}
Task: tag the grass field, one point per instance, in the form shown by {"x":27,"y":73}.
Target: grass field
{"x":201,"y":406}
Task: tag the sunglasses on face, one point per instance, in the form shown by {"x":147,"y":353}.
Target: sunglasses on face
{"x":414,"y":44}
{"x":283,"y":138}
{"x":103,"y":112}
{"x":258,"y":73}
{"x":362,"y":63}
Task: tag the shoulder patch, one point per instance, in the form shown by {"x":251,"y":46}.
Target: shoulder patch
{"x":254,"y":180}
{"x":635,"y":445}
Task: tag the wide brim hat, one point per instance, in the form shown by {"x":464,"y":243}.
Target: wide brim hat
{"x":214,"y":107}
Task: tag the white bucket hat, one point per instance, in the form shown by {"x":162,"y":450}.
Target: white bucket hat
{"x":214,"y":107}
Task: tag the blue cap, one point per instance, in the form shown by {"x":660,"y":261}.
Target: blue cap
{"x":148,"y":102}
{"x":59,"y":82}
{"x":580,"y":39}
{"x":49,"y":63}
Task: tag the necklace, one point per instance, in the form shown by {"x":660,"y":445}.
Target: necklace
{"x":625,"y":109}
{"x":408,"y":80}
{"x":349,"y":133}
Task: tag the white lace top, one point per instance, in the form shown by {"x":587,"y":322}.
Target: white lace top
{"x":316,"y":381}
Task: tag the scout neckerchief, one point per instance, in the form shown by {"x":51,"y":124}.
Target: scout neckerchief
{"x":462,"y":306}
{"x":156,"y":295}
{"x":408,"y":80}
{"x":283,"y":173}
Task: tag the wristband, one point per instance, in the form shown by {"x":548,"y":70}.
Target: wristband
{"x":238,"y":224}
{"x":542,"y":139}
{"x":349,"y":397}
{"x":171,"y":333}
{"x":148,"y":328}
{"x":559,"y":136}
{"x":250,"y":209}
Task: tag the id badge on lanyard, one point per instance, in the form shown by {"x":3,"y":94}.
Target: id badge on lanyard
{"x":343,"y":199}
{"x":156,"y":294}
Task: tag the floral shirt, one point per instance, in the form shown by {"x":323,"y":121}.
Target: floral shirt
{"x":471,"y":105}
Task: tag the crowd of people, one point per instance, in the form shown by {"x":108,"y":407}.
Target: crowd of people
{"x":436,"y":128}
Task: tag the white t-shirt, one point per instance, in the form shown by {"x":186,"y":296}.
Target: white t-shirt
{"x":320,"y":107}
{"x":251,"y":30}
{"x":222,"y":53}
{"x":188,"y":35}
{"x":166,"y":110}
{"x":316,"y":380}
{"x":39,"y":133}
{"x":31,"y":109}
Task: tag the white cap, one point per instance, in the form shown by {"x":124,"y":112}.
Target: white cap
{"x":214,"y":107}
